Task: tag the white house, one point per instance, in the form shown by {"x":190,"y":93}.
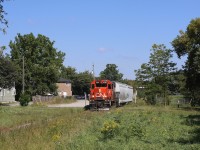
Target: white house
{"x":7,"y":95}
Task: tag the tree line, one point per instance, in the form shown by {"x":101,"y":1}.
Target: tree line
{"x":35,"y":65}
{"x":159,"y":77}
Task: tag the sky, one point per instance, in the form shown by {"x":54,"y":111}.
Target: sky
{"x":101,"y":32}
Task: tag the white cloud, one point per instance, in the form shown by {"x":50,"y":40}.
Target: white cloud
{"x":102,"y":49}
{"x":31,"y":21}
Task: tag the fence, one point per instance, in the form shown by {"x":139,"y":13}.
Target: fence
{"x":40,"y":98}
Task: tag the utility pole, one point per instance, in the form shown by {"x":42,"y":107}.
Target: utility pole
{"x":93,"y":71}
{"x":23,"y":76}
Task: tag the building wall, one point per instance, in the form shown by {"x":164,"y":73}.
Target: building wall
{"x":64,"y":89}
{"x":7,"y":95}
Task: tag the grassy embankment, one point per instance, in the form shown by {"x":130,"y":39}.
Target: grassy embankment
{"x":129,"y":127}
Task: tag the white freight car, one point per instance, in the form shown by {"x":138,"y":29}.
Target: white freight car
{"x":123,"y":93}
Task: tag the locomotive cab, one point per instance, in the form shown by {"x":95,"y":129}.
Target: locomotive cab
{"x":101,"y":93}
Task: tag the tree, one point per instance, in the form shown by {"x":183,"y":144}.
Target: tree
{"x":143,"y":82}
{"x":188,"y":43}
{"x":111,"y":73}
{"x":129,"y":82}
{"x":176,"y":84}
{"x":81,"y":83}
{"x":154,"y":75}
{"x":42,"y":63}
{"x":8,"y":72}
{"x":3,"y":20}
{"x":68,"y":73}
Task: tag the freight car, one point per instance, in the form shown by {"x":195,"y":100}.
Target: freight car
{"x":105,"y":93}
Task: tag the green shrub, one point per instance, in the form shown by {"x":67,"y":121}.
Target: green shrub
{"x":24,"y":99}
{"x":110,"y":128}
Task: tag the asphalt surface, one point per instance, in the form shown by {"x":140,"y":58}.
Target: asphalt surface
{"x":78,"y":103}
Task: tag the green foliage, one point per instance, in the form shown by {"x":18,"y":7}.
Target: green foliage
{"x":188,"y":43}
{"x":154,"y":76}
{"x":111,"y":73}
{"x":42,"y":63}
{"x":68,"y":73}
{"x":177,"y":81}
{"x":3,"y":20}
{"x":24,"y":99}
{"x":129,"y":82}
{"x":80,"y":81}
{"x":109,"y":129}
{"x":8,"y":73}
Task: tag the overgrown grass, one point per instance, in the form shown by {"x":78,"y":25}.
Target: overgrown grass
{"x":39,"y":127}
{"x":128,"y":127}
{"x":143,"y":127}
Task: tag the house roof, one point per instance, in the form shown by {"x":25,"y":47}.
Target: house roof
{"x":62,"y":80}
{"x":62,"y":87}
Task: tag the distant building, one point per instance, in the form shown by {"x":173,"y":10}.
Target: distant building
{"x":64,"y":88}
{"x":7,"y":95}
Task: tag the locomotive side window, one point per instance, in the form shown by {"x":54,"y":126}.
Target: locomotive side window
{"x":92,"y":86}
{"x":109,"y":86}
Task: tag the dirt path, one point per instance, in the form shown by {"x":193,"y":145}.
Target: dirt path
{"x":78,"y":103}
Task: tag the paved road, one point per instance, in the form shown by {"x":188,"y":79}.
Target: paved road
{"x":78,"y":103}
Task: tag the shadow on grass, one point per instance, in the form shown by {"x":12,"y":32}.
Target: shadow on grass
{"x":194,"y":122}
{"x":87,"y":107}
{"x":4,"y":104}
{"x":190,"y":108}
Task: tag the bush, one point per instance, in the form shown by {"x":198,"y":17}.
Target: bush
{"x":24,"y":99}
{"x":110,"y":128}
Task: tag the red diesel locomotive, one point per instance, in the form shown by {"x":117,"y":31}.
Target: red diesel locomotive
{"x":105,"y":93}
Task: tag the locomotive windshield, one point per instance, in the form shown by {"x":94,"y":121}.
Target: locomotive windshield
{"x":98,"y":84}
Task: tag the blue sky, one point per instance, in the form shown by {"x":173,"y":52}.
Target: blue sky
{"x":102,"y":32}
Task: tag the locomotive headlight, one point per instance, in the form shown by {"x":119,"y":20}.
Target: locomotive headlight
{"x":92,"y":96}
